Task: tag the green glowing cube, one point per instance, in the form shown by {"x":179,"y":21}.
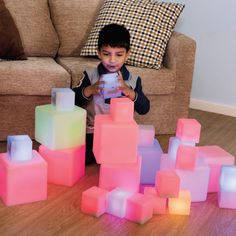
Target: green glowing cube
{"x":60,"y":129}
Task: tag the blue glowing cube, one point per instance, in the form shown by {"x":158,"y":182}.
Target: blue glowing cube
{"x":19,"y":147}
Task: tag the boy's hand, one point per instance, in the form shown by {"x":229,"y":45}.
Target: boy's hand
{"x":125,"y":89}
{"x":94,"y":89}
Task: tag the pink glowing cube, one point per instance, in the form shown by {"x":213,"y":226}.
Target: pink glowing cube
{"x":117,"y":201}
{"x":167,"y":183}
{"x":126,"y":176}
{"x":146,"y":135}
{"x":196,"y":181}
{"x":122,"y":109}
{"x":115,"y":142}
{"x":186,"y":157}
{"x":227,"y":191}
{"x":173,"y":146}
{"x":23,"y":182}
{"x":65,"y":167}
{"x":139,"y":208}
{"x":151,"y":158}
{"x":215,"y":157}
{"x":167,"y":163}
{"x":180,"y":205}
{"x":159,"y":203}
{"x":188,"y":130}
{"x":94,"y":201}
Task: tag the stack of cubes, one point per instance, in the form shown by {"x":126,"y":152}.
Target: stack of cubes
{"x":116,"y":138}
{"x":60,"y":128}
{"x":150,"y":152}
{"x":23,"y":172}
{"x":115,"y":147}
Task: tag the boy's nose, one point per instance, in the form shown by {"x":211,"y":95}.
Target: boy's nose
{"x":112,"y":59}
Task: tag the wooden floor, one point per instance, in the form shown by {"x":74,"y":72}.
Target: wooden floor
{"x":60,"y":214}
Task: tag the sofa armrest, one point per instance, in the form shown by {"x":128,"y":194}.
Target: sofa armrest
{"x":180,"y":57}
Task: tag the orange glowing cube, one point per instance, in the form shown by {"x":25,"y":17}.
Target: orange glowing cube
{"x":181,"y":204}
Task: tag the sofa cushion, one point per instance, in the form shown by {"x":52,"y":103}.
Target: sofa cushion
{"x":35,"y":76}
{"x":33,"y":21}
{"x":73,"y":21}
{"x":153,"y":81}
{"x":149,"y":22}
{"x":11,"y":46}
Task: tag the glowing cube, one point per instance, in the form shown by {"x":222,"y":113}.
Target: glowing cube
{"x":65,"y":167}
{"x":139,"y":208}
{"x":195,"y":181}
{"x":115,"y":142}
{"x":146,"y":135}
{"x":117,"y":201}
{"x":19,"y":147}
{"x":94,"y":201}
{"x":173,"y":146}
{"x":215,"y":157}
{"x":126,"y":176}
{"x":111,"y":85}
{"x":122,"y":109}
{"x":63,"y":99}
{"x":180,"y":205}
{"x":186,"y":157}
{"x":188,"y":130}
{"x":60,"y":130}
{"x":167,"y":183}
{"x":159,"y":203}
{"x":151,"y":158}
{"x":23,"y":182}
{"x":227,"y":191}
{"x":167,"y":163}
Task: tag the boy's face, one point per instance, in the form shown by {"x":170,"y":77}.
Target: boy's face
{"x":113,"y":58}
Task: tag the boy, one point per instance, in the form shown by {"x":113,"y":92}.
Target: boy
{"x":113,"y":51}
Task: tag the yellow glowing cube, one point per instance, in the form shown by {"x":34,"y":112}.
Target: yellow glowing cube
{"x":181,"y":204}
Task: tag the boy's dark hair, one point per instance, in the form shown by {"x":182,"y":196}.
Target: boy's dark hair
{"x":114,"y":35}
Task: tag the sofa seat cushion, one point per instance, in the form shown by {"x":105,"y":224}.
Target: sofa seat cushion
{"x":35,"y":76}
{"x":153,"y":81}
{"x":32,"y":18}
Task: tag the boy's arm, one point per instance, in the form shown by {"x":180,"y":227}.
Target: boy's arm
{"x":80,"y":98}
{"x":141,"y":102}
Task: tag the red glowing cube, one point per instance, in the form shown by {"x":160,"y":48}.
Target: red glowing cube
{"x":115,"y":142}
{"x":215,"y":157}
{"x":122,"y":109}
{"x":66,"y":166}
{"x":23,"y":182}
{"x":167,"y":183}
{"x":139,"y":208}
{"x":94,"y":201}
{"x":188,"y":130}
{"x":186,"y":157}
{"x":125,"y":176}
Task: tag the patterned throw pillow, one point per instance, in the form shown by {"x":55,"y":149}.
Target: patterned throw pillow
{"x":149,"y":22}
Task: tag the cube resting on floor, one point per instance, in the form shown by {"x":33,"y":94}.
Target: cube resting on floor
{"x":65,"y":167}
{"x":94,"y":201}
{"x":117,"y":202}
{"x":227,"y":191}
{"x":23,"y":182}
{"x":139,"y":208}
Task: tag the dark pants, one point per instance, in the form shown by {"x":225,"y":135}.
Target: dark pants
{"x":89,"y":158}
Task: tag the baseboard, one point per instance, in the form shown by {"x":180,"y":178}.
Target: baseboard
{"x":212,"y":107}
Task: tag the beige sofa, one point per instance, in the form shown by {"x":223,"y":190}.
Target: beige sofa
{"x":53,"y":33}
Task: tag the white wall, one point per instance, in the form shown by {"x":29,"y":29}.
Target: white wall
{"x":212,"y":23}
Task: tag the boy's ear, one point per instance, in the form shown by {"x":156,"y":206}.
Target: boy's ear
{"x":128,"y":54}
{"x":99,"y":53}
